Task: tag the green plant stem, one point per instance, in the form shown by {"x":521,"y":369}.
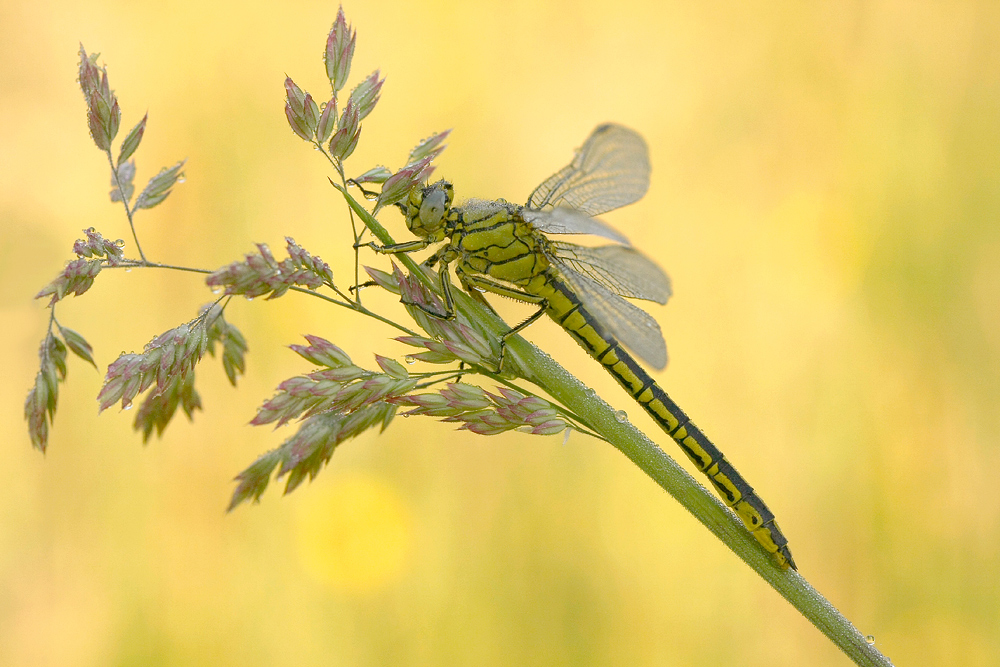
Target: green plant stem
{"x":346,"y":303}
{"x":145,"y":264}
{"x":339,"y":167}
{"x":128,"y":211}
{"x":540,"y":369}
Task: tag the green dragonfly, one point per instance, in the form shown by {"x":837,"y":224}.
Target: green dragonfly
{"x":503,"y":248}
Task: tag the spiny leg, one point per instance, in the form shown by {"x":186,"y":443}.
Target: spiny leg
{"x":542,"y":306}
{"x":475,"y":293}
{"x":368,"y":194}
{"x":415,"y":246}
{"x":368,"y":283}
{"x":476,"y":282}
{"x":392,"y":249}
{"x":430,"y":262}
{"x":395,"y":248}
{"x":449,"y":301}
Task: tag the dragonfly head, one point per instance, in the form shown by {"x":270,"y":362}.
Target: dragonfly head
{"x":427,"y":208}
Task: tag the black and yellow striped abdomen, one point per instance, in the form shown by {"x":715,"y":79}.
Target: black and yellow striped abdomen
{"x":565,"y":308}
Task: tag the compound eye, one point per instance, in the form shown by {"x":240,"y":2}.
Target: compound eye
{"x":432,"y":208}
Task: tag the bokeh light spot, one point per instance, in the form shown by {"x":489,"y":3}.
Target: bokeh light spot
{"x":355,"y":535}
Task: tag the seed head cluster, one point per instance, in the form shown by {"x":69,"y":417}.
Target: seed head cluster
{"x":93,"y":253}
{"x":167,"y":365}
{"x":487,"y":413}
{"x":261,"y":274}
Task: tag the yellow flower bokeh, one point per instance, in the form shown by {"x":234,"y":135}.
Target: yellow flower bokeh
{"x":355,"y":536}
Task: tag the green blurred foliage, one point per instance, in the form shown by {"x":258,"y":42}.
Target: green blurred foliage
{"x":825,"y":193}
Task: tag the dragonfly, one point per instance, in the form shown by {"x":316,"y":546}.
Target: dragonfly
{"x":503,"y":248}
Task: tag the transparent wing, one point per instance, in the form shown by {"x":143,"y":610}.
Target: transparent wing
{"x":564,"y":220}
{"x":632,"y":326}
{"x":609,"y":171}
{"x":623,"y":270}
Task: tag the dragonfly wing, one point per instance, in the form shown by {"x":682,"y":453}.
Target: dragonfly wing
{"x":610,"y":170}
{"x":632,"y":326}
{"x":564,"y":220}
{"x":623,"y":270}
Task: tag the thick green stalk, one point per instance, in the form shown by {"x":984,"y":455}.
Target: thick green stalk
{"x":537,"y":367}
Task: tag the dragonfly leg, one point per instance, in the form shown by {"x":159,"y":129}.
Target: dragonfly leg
{"x":432,"y":261}
{"x":542,"y":306}
{"x":368,"y":194}
{"x":415,"y":246}
{"x":354,"y":288}
{"x":395,"y":248}
{"x":477,"y":282}
{"x":449,"y":300}
{"x":474,"y":292}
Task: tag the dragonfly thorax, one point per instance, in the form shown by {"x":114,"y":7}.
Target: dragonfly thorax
{"x":427,"y":208}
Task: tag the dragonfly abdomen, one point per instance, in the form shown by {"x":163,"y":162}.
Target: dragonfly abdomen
{"x":565,"y":307}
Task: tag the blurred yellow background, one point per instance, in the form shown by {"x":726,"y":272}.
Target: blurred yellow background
{"x":825,"y":197}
